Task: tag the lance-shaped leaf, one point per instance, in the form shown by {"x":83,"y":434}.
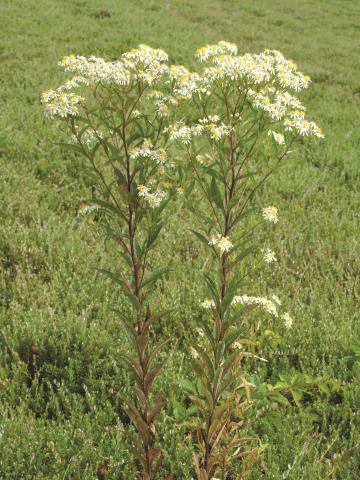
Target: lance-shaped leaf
{"x":200,"y":236}
{"x":107,"y":206}
{"x":150,"y":377}
{"x":233,"y":262}
{"x":215,"y":194}
{"x":138,"y":421}
{"x":134,"y":366}
{"x":154,"y":354}
{"x":155,"y":275}
{"x":207,"y":364}
{"x":153,"y":234}
{"x":212,"y":287}
{"x":155,"y":409}
{"x":231,"y":336}
{"x":125,"y":288}
{"x":199,"y":405}
{"x":231,"y":359}
{"x":71,"y":146}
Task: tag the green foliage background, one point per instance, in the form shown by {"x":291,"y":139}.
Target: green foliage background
{"x":61,"y":416}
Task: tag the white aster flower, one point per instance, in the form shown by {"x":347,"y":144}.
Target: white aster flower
{"x":181,"y":132}
{"x":211,"y":52}
{"x":218,"y":131}
{"x":152,"y":198}
{"x":269,"y":255}
{"x":269,"y":306}
{"x":288,"y":320}
{"x":207,"y":304}
{"x":224,"y":245}
{"x":270,"y":214}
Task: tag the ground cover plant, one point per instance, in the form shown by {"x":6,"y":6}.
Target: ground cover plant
{"x":62,"y":415}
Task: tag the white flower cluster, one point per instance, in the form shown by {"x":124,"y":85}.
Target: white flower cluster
{"x":296,"y":121}
{"x":209,"y":52}
{"x":153,"y":198}
{"x":288,"y":321}
{"x":143,"y":62}
{"x":269,"y":305}
{"x":263,"y":78}
{"x":97,"y":70}
{"x":61,"y":104}
{"x":211,"y":126}
{"x":270,"y":214}
{"x":269,"y":255}
{"x":180,"y":131}
{"x":147,"y":150}
{"x":222,"y":243}
{"x":269,"y":67}
{"x":284,"y":106}
{"x":162,"y":102}
{"x":207,"y":304}
{"x":186,"y":83}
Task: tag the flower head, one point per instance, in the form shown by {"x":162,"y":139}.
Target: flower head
{"x":269,"y":255}
{"x":288,"y":320}
{"x":153,"y":198}
{"x":223,"y":243}
{"x":270,"y":214}
{"x":207,"y":304}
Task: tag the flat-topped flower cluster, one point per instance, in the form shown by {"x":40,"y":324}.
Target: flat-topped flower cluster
{"x":262,"y":81}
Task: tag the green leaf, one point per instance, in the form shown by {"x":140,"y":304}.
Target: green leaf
{"x":297,"y":396}
{"x":200,"y":237}
{"x":154,"y":276}
{"x":116,"y":278}
{"x":71,"y":146}
{"x":137,"y":419}
{"x":241,"y":256}
{"x":187,"y":385}
{"x":106,"y":206}
{"x":153,"y":234}
{"x":215,"y":194}
{"x":212,"y":287}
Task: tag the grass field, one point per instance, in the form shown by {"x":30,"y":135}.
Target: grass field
{"x":61,"y":415}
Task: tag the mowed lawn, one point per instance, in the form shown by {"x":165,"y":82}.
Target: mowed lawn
{"x":61,"y":378}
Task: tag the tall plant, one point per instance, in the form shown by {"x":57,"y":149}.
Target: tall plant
{"x":246,"y":122}
{"x":116,"y":122}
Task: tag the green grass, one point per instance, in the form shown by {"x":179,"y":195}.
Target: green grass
{"x":61,"y":417}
